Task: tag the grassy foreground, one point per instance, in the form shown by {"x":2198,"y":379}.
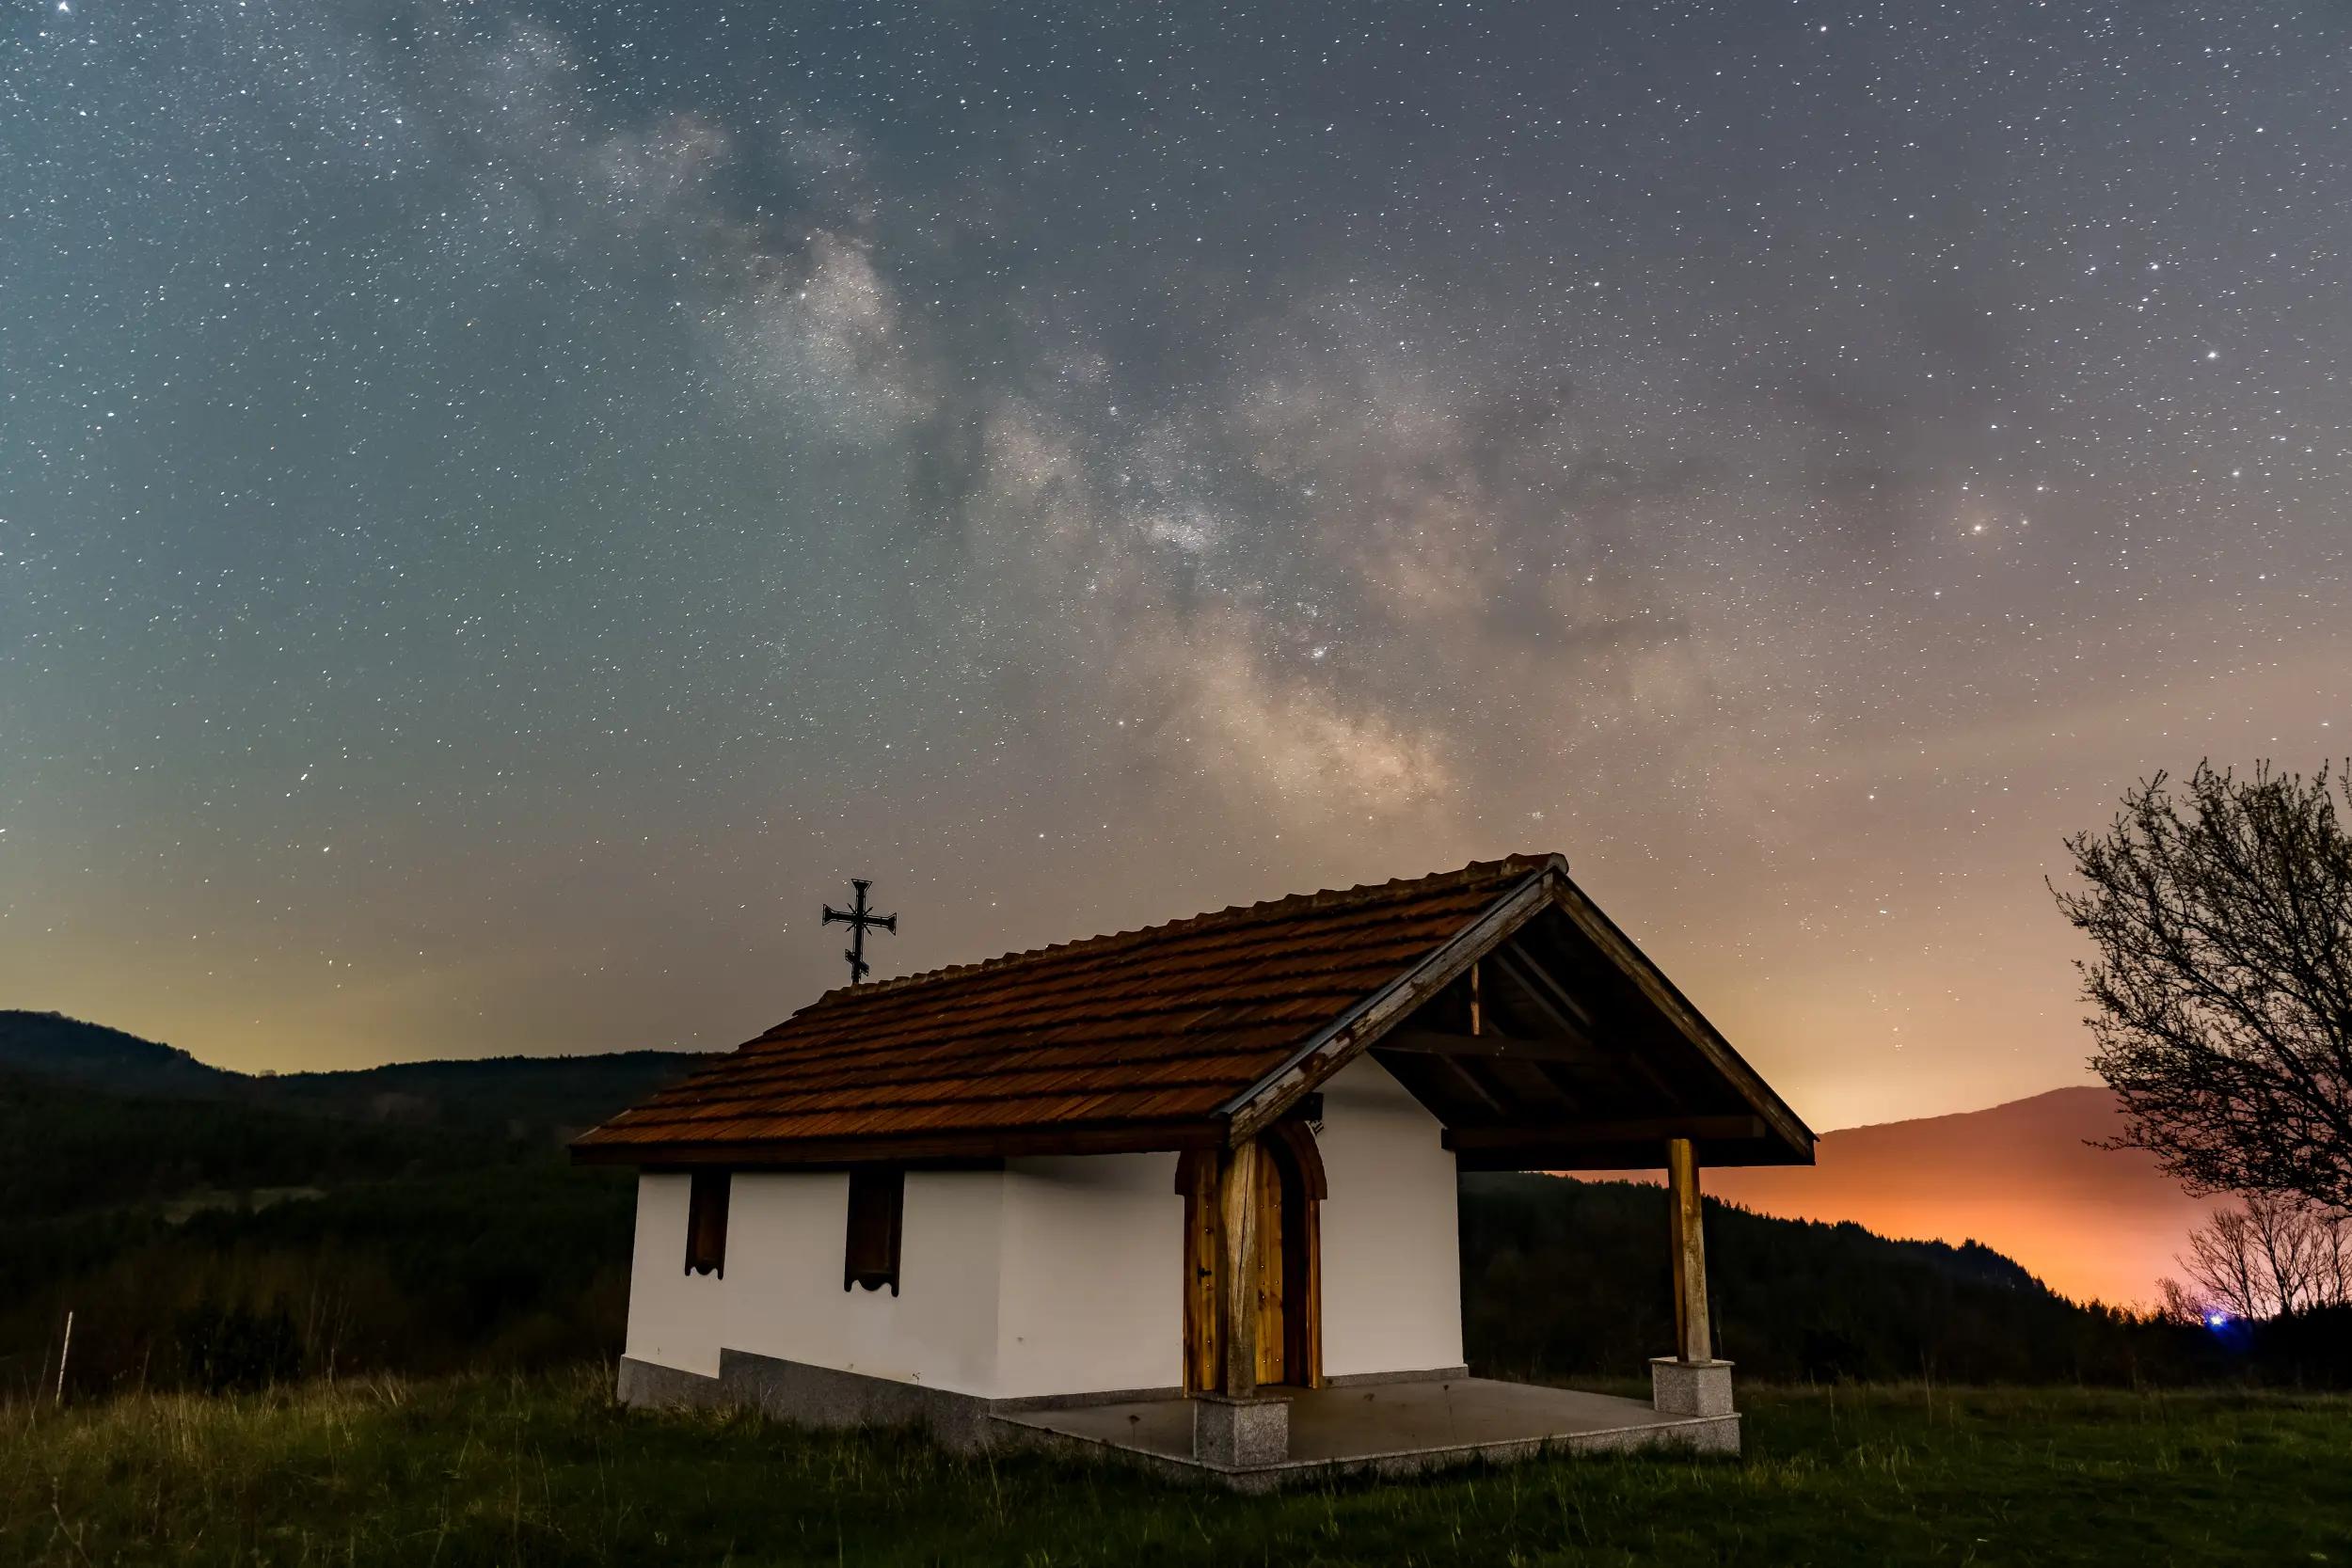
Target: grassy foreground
{"x":548,"y":1471}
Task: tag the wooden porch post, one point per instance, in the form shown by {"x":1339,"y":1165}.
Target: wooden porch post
{"x":1237,"y":1272}
{"x":1693,"y":1342}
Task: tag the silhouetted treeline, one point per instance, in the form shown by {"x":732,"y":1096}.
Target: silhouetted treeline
{"x":1563,"y":1279}
{"x":66,"y":1149}
{"x":521,"y":1264}
{"x":237,"y":1235}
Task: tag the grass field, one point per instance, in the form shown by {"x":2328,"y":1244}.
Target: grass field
{"x":548,"y":1471}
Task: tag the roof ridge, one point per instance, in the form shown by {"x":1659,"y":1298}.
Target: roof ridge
{"x":1521,"y":865}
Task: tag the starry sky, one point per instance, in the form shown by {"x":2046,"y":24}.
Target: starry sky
{"x":505,"y":509}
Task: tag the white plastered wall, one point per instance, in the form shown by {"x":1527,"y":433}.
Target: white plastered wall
{"x":1093,"y":1280}
{"x":1053,"y":1276}
{"x":786,"y":1233}
{"x":672,"y":1315}
{"x":1059,"y":1276}
{"x":780,"y":1293}
{"x":1392,"y":1257}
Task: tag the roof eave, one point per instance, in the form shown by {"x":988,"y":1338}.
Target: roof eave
{"x":1354,"y":1031}
{"x":1782,"y":1123}
{"x":1787,"y":1139}
{"x":981,"y":1144}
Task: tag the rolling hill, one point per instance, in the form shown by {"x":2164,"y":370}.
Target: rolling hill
{"x":2021,"y":1178}
{"x":548,"y":1098}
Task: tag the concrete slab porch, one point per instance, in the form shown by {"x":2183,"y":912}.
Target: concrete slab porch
{"x":1382,"y":1429}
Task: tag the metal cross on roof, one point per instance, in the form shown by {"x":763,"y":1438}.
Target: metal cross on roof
{"x":857,"y":918}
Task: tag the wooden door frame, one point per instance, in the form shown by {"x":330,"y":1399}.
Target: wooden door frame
{"x":1291,"y":1144}
{"x":1292,"y":1148}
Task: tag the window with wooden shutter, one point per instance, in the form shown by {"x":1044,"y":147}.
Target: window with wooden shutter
{"x":876,"y":1199}
{"x":707,"y":1224}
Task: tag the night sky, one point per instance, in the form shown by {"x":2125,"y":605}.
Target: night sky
{"x":504,"y":510}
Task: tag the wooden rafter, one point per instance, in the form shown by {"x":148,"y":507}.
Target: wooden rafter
{"x":1459,"y":1077}
{"x":1624,"y":1130}
{"x":1565,"y":1013}
{"x":1662,"y":994}
{"x":1553,"y":1000}
{"x":1437,"y":1042}
{"x":1535,"y":1089}
{"x":1365,"y":1023}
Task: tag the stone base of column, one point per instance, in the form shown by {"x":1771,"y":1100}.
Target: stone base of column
{"x":1239,"y":1434}
{"x":1679,"y":1388}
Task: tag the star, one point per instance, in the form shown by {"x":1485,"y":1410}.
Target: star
{"x":589,"y":435}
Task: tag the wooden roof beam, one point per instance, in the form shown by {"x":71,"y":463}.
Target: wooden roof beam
{"x":1553,"y":999}
{"x":1619,"y":950}
{"x":1362,"y":1025}
{"x":1425,"y":1073}
{"x":1635,"y":1130}
{"x":1550,"y":998}
{"x":1439,"y":1042}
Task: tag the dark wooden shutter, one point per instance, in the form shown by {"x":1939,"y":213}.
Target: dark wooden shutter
{"x":707,"y":1224}
{"x":877,"y":1201}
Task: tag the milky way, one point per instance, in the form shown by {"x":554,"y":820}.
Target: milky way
{"x":503,"y":510}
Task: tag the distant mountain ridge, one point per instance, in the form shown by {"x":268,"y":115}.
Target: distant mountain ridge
{"x":50,"y":1045}
{"x":550,"y":1097}
{"x":2024,"y":1178}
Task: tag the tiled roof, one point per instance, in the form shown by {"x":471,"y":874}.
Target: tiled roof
{"x":1155,"y":1027}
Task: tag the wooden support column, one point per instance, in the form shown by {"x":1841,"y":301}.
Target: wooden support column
{"x":1237,"y":1268}
{"x":1692,"y":1340}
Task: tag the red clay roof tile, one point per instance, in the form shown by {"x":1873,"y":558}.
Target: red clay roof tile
{"x":1161,"y":1025}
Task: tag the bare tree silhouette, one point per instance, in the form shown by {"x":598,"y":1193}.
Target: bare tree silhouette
{"x":2222,"y":993}
{"x":2270,"y":1257}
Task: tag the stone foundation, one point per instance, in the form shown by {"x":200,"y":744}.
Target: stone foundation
{"x":1424,"y":1423}
{"x":825,"y":1397}
{"x":649,"y":1385}
{"x":1690,"y":1388}
{"x":1239,"y":1434}
{"x":1410,"y":1427}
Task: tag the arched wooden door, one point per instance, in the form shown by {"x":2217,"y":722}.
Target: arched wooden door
{"x":1287,"y":1187}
